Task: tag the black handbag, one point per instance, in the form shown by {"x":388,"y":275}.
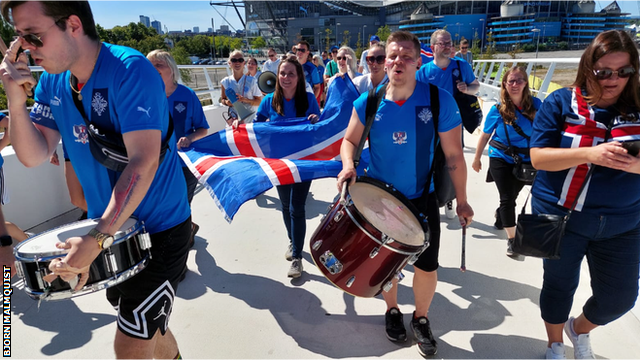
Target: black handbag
{"x":541,"y":235}
{"x":522,"y":170}
{"x":469,"y":106}
{"x":106,"y":146}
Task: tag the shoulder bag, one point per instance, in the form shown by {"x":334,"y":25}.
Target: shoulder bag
{"x":470,"y":110}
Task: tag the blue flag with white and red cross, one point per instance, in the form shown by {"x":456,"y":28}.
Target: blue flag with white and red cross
{"x":236,"y":165}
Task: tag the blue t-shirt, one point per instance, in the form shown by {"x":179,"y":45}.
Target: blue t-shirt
{"x":2,"y":116}
{"x":266,"y":110}
{"x":311,"y":73}
{"x":430,"y":73}
{"x":609,"y":191}
{"x":186,"y":112}
{"x":401,"y":139}
{"x":124,"y":93}
{"x":320,"y":71}
{"x":493,"y":124}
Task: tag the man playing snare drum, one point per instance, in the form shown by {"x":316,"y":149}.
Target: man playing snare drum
{"x":119,"y":90}
{"x":406,"y":110}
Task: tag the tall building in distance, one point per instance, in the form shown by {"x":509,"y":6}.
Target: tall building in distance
{"x":144,"y":20}
{"x":157,"y":25}
{"x":196,"y":29}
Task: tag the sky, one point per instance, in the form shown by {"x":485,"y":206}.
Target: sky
{"x":184,"y":15}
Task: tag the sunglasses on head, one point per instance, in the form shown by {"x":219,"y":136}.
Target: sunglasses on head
{"x":379,"y":59}
{"x":623,"y":73}
{"x":237,"y":60}
{"x":301,"y":50}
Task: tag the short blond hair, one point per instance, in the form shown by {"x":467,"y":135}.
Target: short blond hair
{"x":439,"y":32}
{"x":167,"y":59}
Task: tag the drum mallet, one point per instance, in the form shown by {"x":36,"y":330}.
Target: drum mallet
{"x":12,"y":70}
{"x":343,"y":194}
{"x":463,"y":267}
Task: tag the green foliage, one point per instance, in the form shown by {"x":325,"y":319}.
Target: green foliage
{"x":359,"y":47}
{"x":134,"y":35}
{"x":259,"y":43}
{"x":383,"y":32}
{"x":181,"y":56}
{"x":346,"y":38}
{"x":198,"y":45}
{"x":328,"y":33}
{"x":7,"y":32}
{"x":563,"y":45}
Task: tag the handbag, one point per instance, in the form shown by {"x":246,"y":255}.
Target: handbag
{"x":107,"y":147}
{"x":522,"y":170}
{"x":470,"y":110}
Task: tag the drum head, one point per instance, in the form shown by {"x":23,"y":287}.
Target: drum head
{"x":387,"y":214}
{"x":45,"y":244}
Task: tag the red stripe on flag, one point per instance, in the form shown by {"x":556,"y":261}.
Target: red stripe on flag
{"x":241,"y":139}
{"x":625,"y":131}
{"x":588,"y":129}
{"x":327,"y":153}
{"x":583,"y":107}
{"x":282,"y":171}
{"x":579,"y":176}
{"x":211,"y":161}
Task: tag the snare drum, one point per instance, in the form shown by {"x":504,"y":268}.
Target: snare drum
{"x":126,"y":257}
{"x":362,"y":244}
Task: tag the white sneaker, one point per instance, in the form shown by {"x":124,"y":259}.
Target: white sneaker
{"x":581,"y":343}
{"x":296,"y":269}
{"x":556,"y":351}
{"x":289,"y":253}
{"x":449,"y":211}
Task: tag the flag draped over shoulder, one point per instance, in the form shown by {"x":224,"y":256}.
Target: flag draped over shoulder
{"x":238,"y":165}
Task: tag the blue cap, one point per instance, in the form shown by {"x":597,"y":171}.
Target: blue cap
{"x":374,"y":38}
{"x":334,"y":48}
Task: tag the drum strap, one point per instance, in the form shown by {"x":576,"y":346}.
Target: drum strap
{"x":373,"y":103}
{"x":435,"y":112}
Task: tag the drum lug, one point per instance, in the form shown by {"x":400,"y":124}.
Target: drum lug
{"x":144,"y":240}
{"x":110,"y":262}
{"x":374,"y":252}
{"x":386,"y":239}
{"x":350,"y":281}
{"x":330,"y":262}
{"x":40,"y":274}
{"x":388,"y":286}
{"x":338,"y":216}
{"x":399,"y":276}
{"x":19,"y":271}
{"x":413,"y":258}
{"x":316,"y":245}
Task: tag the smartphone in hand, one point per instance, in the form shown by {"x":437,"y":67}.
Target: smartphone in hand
{"x":633,"y":147}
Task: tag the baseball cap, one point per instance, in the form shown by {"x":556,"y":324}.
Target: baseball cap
{"x":334,"y":48}
{"x":374,"y":38}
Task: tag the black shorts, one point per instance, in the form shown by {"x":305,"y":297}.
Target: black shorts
{"x":428,"y":260}
{"x":145,"y":301}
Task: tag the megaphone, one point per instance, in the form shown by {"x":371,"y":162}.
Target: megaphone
{"x":267,"y":82}
{"x":242,"y":110}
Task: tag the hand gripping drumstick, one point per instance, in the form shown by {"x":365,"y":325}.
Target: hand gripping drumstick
{"x":343,"y":194}
{"x":463,"y":268}
{"x":13,"y":72}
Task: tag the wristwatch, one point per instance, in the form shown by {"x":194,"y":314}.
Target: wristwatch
{"x":104,"y":240}
{"x":5,"y":241}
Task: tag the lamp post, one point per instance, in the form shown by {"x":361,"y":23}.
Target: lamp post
{"x":337,"y":34}
{"x":482,"y":37}
{"x":363,"y":37}
{"x":536,"y":65}
{"x":458,"y":34}
{"x":320,"y":41}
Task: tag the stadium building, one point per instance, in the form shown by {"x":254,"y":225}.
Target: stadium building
{"x":503,"y":24}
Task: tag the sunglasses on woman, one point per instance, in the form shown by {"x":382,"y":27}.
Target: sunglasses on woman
{"x":237,"y":60}
{"x":340,"y":58}
{"x":515,"y":82}
{"x":623,"y":73}
{"x":379,"y":59}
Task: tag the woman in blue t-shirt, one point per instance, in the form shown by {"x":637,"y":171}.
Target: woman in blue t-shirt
{"x":291,"y":100}
{"x":579,"y":131}
{"x":508,"y":124}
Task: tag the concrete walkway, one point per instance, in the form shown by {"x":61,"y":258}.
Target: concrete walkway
{"x":237,"y":302}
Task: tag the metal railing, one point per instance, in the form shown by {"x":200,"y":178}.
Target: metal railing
{"x":490,"y":80}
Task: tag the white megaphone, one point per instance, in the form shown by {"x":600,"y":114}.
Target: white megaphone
{"x":244,"y":111}
{"x":267,"y":82}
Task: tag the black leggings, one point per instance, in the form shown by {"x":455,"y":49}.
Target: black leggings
{"x":508,"y":186}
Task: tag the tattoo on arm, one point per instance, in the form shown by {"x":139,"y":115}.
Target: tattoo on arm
{"x":451,"y":168}
{"x":122,"y":198}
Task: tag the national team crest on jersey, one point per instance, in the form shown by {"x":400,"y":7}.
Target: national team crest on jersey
{"x":455,"y":73}
{"x":400,"y":137}
{"x":424,"y":113}
{"x":80,"y":132}
{"x":100,"y":105}
{"x":180,"y":107}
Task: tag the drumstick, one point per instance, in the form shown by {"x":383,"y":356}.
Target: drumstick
{"x":11,"y":69}
{"x":343,"y":194}
{"x":463,"y":268}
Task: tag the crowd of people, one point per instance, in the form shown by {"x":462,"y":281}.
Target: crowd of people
{"x":576,"y":135}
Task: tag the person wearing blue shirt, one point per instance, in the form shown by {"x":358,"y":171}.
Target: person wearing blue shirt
{"x":509,"y":125}
{"x":303,"y":53}
{"x":579,"y":130}
{"x":189,"y":122}
{"x":291,"y":100}
{"x":119,"y":90}
{"x":401,"y":143}
{"x":453,"y":76}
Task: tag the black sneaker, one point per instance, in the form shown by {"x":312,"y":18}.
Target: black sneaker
{"x":510,"y":247}
{"x":427,"y":345}
{"x":395,"y":325}
{"x":498,"y":223}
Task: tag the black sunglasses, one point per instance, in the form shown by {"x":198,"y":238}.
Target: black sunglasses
{"x":339,"y":58}
{"x":301,"y":50}
{"x":237,"y":60}
{"x":36,"y":40}
{"x":623,"y":73}
{"x":379,"y":59}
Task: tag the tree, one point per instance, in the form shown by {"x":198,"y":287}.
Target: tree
{"x":328,"y":33}
{"x":346,"y":38}
{"x":259,"y":43}
{"x":383,"y":32}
